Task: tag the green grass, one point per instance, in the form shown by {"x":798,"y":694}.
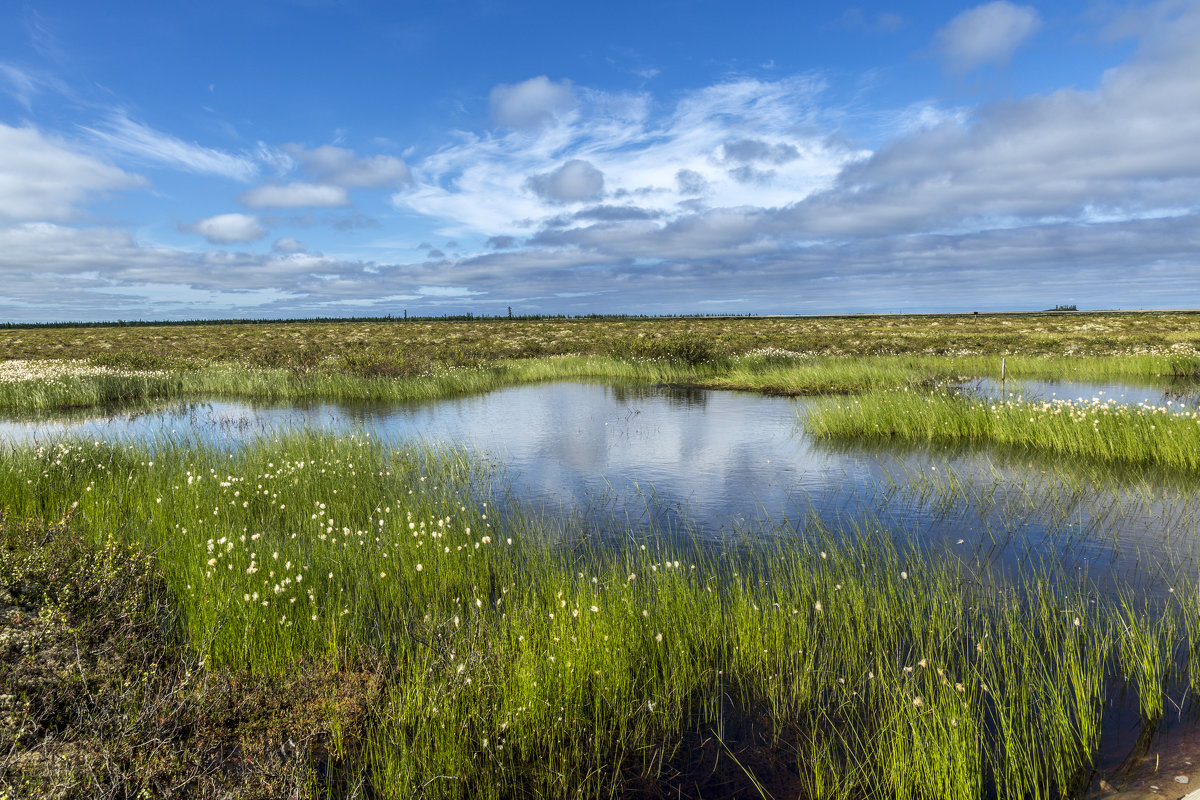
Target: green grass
{"x":527,"y":663}
{"x":396,"y":361}
{"x":1105,"y":432}
{"x":410,"y":348}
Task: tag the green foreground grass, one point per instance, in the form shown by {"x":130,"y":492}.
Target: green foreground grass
{"x":506,"y":659}
{"x":1102,"y":431}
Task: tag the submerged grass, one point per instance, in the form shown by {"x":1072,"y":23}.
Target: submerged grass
{"x":522,"y":663}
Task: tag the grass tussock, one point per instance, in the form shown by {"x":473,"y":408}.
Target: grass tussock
{"x":496,"y":660}
{"x":1165,"y":436}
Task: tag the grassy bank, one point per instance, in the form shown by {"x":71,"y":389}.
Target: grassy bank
{"x":48,"y":385}
{"x":516,"y":663}
{"x":1163,"y":436}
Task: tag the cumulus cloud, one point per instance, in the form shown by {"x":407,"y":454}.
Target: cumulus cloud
{"x":342,"y":167}
{"x":44,"y":178}
{"x":296,"y":195}
{"x":143,"y":142}
{"x":986,"y":34}
{"x":750,"y":151}
{"x":748,"y":174}
{"x":615,"y":213}
{"x":479,"y":184}
{"x":531,"y":103}
{"x":690,"y":182}
{"x":574,"y":182}
{"x":228,"y":228}
{"x":502,"y":242}
{"x":1123,"y":151}
{"x":286,"y":244}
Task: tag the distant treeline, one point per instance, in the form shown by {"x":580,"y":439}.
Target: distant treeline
{"x":122,"y":323}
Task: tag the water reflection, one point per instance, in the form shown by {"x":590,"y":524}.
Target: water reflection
{"x":1180,"y":394}
{"x":716,"y":463}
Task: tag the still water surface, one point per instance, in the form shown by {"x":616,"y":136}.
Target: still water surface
{"x":715,"y":464}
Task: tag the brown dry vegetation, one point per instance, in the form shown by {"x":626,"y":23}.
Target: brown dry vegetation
{"x":97,"y":701}
{"x":399,"y":348}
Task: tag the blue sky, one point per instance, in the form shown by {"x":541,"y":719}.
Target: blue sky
{"x":304,"y":158}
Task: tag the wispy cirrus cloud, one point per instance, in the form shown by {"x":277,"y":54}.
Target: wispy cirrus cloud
{"x":24,"y":84}
{"x":122,"y":134}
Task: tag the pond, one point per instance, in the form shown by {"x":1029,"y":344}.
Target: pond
{"x":713,"y":464}
{"x":1182,"y":395}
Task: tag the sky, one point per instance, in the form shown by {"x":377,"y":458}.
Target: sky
{"x":335,"y":158}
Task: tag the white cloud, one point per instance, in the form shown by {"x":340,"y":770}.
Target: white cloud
{"x":286,"y":244}
{"x":21,"y":84}
{"x":531,"y":103}
{"x":479,"y":184}
{"x":573,"y":182}
{"x":986,"y":34}
{"x":296,"y":195}
{"x":1102,"y":183}
{"x":342,"y":167}
{"x":880,"y":22}
{"x":228,"y":228}
{"x":143,"y":142}
{"x":279,"y":160}
{"x":445,"y":291}
{"x":43,"y":178}
{"x":690,"y":182}
{"x":1124,"y":151}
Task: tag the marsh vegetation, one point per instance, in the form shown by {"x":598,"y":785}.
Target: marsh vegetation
{"x":330,"y":614}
